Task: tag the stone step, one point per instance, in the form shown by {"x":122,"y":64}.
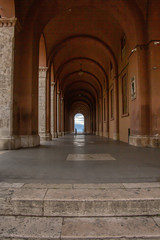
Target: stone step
{"x":80,"y":200}
{"x":124,"y":228}
{"x":48,"y":228}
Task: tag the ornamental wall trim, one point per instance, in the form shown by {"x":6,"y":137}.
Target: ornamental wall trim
{"x":53,"y":83}
{"x":43,"y":69}
{"x":8,"y":22}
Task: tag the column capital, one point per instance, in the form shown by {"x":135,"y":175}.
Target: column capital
{"x":43,"y":69}
{"x":7,"y":22}
{"x":53,"y":83}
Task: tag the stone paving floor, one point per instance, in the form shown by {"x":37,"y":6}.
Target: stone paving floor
{"x":48,"y":164}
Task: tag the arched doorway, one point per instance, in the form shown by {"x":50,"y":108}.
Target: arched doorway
{"x":79,"y":123}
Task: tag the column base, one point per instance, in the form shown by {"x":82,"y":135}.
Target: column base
{"x":45,"y":137}
{"x":10,"y":143}
{"x":59,"y":134}
{"x":96,"y":133}
{"x":154,"y":141}
{"x":106,"y":134}
{"x":63,"y":134}
{"x":145,"y":141}
{"x":115,"y":136}
{"x":100,"y":134}
{"x":16,"y":142}
{"x":139,"y":141}
{"x":28,"y":141}
{"x":54,"y":135}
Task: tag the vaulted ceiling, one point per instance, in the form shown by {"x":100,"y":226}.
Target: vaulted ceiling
{"x":86,"y":35}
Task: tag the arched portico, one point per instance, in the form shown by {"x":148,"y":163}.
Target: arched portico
{"x":79,"y":55}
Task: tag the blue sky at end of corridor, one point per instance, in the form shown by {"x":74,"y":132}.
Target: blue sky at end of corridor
{"x":79,"y":119}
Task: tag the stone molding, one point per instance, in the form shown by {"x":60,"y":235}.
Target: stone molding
{"x":8,"y":22}
{"x":43,"y":69}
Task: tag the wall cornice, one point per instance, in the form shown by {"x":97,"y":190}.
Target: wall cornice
{"x":8,"y":22}
{"x":43,"y":69}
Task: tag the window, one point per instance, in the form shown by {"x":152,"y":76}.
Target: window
{"x":124,"y":95}
{"x":133,"y":88}
{"x":112,"y":104}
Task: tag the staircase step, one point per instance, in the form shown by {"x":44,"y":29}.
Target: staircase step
{"x":44,"y":200}
{"x":127,"y":228}
{"x":20,"y":228}
{"x":30,"y":228}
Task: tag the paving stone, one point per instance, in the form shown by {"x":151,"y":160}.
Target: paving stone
{"x":41,"y":186}
{"x":99,"y":186}
{"x":29,"y":194}
{"x":157,"y":220}
{"x":110,"y":228}
{"x":11,"y":185}
{"x":90,"y":157}
{"x":142,"y":185}
{"x":108,"y":202}
{"x":30,"y":228}
{"x":102,"y":194}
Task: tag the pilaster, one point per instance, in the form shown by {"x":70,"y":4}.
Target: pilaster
{"x":7,"y":42}
{"x":42,"y":103}
{"x":58,"y":114}
{"x":52,"y":110}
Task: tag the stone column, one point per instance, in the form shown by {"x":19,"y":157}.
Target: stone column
{"x":48,"y":109}
{"x":105,"y":126}
{"x":62,"y":116}
{"x":52,"y":110}
{"x":42,"y":102}
{"x":7,"y":35}
{"x":116,"y":112}
{"x":97,"y":117}
{"x":100,"y":117}
{"x":57,"y":113}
